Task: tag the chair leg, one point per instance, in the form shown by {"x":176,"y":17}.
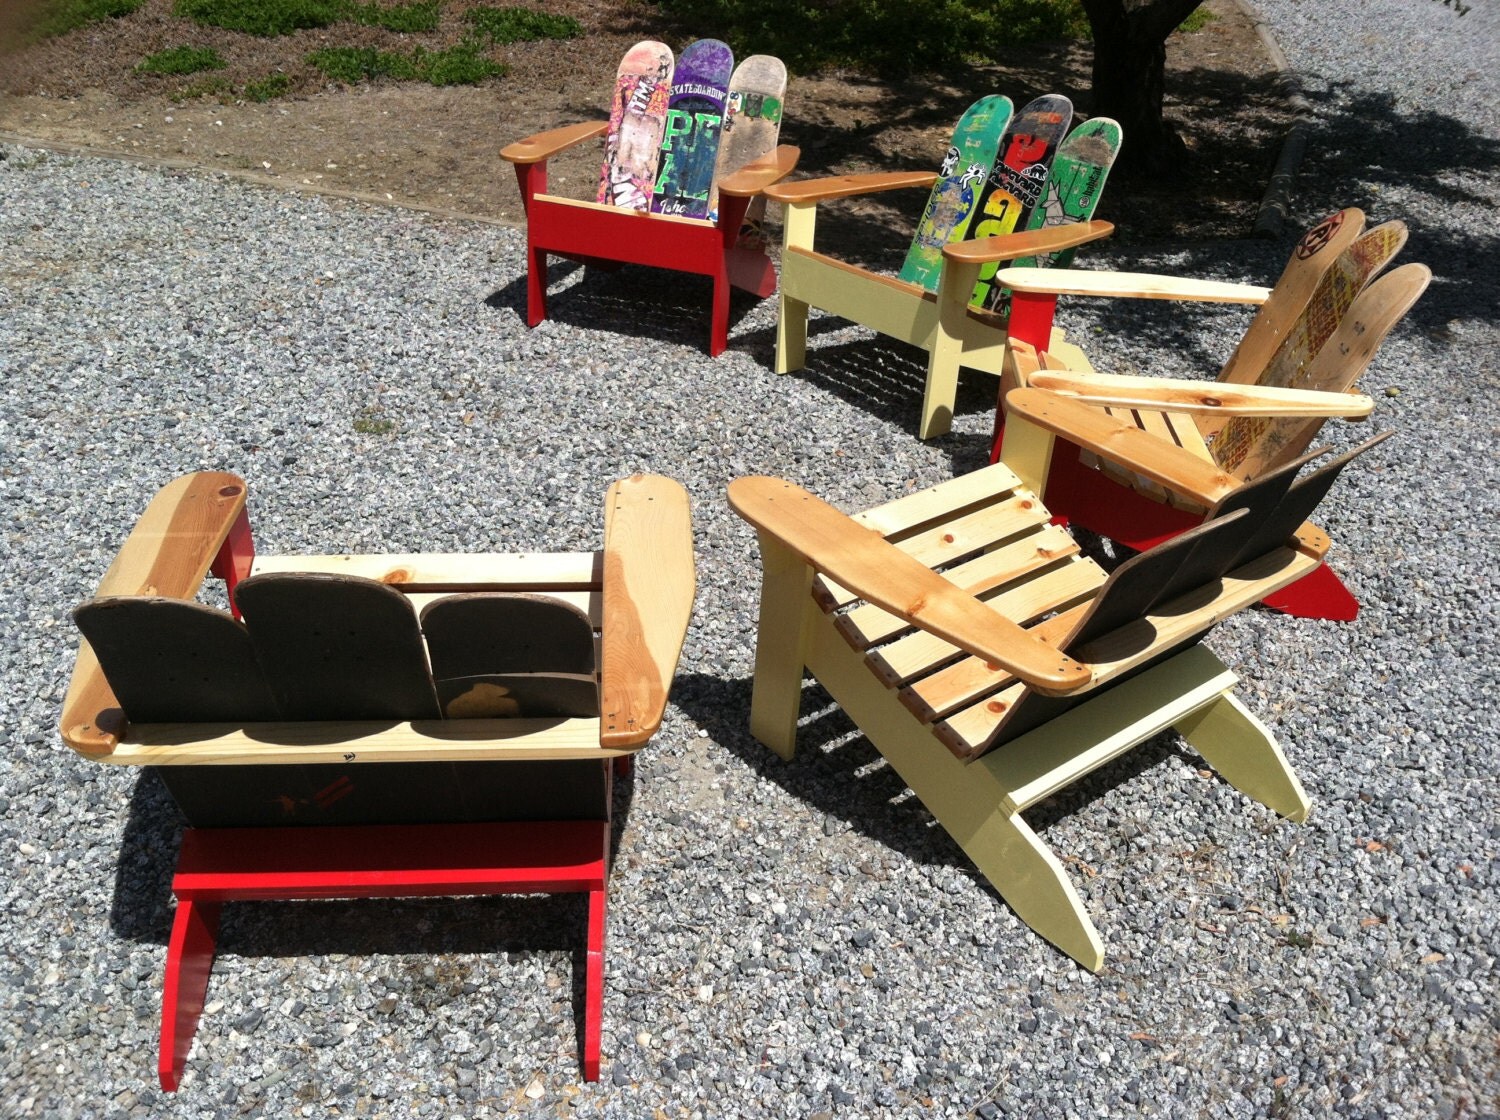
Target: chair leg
{"x":941,"y":391}
{"x":780,"y":646}
{"x":1244,"y":752}
{"x":791,"y":334}
{"x":536,"y":285}
{"x":593,"y":990}
{"x":190,"y":958}
{"x":718,"y":331}
{"x":1319,"y":594}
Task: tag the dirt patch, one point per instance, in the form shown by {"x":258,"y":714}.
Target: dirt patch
{"x":435,"y":148}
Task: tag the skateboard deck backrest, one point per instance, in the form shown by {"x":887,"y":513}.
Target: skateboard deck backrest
{"x":325,"y":647}
{"x":637,"y":122}
{"x":694,"y":124}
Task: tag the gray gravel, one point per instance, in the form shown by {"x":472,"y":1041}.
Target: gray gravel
{"x":785,"y":940}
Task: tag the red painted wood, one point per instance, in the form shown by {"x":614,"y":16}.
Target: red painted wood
{"x":235,"y":556}
{"x":1319,"y":594}
{"x":373,"y":861}
{"x":1031,"y":318}
{"x":190,"y":959}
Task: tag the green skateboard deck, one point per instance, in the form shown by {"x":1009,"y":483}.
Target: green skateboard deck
{"x":695,"y":117}
{"x":971,"y":155}
{"x":637,"y":120}
{"x":1075,"y":183}
{"x":1015,"y":186}
{"x":752,"y":128}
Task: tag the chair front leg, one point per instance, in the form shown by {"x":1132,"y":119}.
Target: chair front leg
{"x":780,"y":646}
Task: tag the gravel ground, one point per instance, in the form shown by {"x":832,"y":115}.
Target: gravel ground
{"x":785,"y":940}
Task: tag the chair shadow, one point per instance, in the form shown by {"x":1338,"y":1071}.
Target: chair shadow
{"x":657,"y":304}
{"x":142,"y":908}
{"x":839,"y":773}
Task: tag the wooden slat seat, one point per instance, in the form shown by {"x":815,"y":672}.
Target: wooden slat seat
{"x":992,"y":664}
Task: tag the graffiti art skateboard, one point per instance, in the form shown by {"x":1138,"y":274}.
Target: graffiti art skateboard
{"x":752,"y":127}
{"x":1075,"y":183}
{"x":1018,"y":178}
{"x":695,"y":117}
{"x":637,"y":120}
{"x":971,"y":155}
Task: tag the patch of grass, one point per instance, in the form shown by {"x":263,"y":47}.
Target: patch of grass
{"x":282,"y":17}
{"x":520,"y":25}
{"x":890,"y":40}
{"x":182,"y":60}
{"x":220,"y":88}
{"x":262,"y":17}
{"x":460,"y":65}
{"x":1197,"y":19}
{"x":267,"y":88}
{"x":371,"y":423}
{"x":58,"y":17}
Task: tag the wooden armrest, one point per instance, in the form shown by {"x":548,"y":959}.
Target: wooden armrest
{"x":1031,"y":243}
{"x":876,"y":570}
{"x":168,"y":553}
{"x":544,"y":145}
{"x":759,"y":174}
{"x":1204,"y":398}
{"x":648,"y":600}
{"x":846,"y":186}
{"x":1121,"y":442}
{"x":1139,"y":285}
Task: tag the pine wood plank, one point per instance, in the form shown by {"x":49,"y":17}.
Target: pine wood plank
{"x":648,"y":601}
{"x":1136,"y":285}
{"x":1028,"y":243}
{"x":544,"y":145}
{"x":755,"y":176}
{"x":455,"y":571}
{"x":859,"y":559}
{"x":847,"y":186}
{"x":1199,"y":397}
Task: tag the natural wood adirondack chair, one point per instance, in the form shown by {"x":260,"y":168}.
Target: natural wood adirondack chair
{"x":993,"y":665}
{"x":943,"y":322}
{"x":328,"y":747}
{"x":1313,"y":336}
{"x":598,"y":234}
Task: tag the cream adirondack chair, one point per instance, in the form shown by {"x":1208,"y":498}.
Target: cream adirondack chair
{"x":944,"y":323}
{"x":993,"y":665}
{"x":378,"y":726}
{"x":1314,"y":334}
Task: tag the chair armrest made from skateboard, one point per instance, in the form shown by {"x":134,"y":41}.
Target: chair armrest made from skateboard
{"x":648,"y":587}
{"x":1129,"y":285}
{"x":847,"y":186}
{"x":1201,"y":398}
{"x":167,"y":554}
{"x":757,"y":175}
{"x":1030,"y":243}
{"x":861,"y":560}
{"x":544,"y":145}
{"x":1119,"y":441}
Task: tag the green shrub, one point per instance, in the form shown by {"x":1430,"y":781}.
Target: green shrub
{"x":264,"y":89}
{"x":876,"y":36}
{"x":182,"y":60}
{"x":520,"y":25}
{"x":460,"y":65}
{"x":58,"y":17}
{"x":420,"y":16}
{"x":262,"y":17}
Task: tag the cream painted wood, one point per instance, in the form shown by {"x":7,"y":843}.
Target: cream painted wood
{"x":1246,"y":755}
{"x":787,"y":614}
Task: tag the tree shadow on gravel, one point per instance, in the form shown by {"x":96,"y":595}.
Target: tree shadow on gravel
{"x":838,"y":772}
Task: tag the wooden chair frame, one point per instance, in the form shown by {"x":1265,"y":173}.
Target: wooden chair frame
{"x":917,"y":665}
{"x":597,"y":234}
{"x":953,"y":332}
{"x":638,"y":590}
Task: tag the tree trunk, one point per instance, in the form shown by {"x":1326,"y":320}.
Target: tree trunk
{"x":1129,"y":76}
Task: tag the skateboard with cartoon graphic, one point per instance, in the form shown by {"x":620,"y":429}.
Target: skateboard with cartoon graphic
{"x":967,"y":164}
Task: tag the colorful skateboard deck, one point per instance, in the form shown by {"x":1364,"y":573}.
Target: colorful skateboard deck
{"x":1016,"y":183}
{"x":637,"y":120}
{"x":1075,"y":183}
{"x":752,"y":127}
{"x":695,"y":117}
{"x":1247,"y":443}
{"x":1317,"y":251}
{"x":971,"y":155}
